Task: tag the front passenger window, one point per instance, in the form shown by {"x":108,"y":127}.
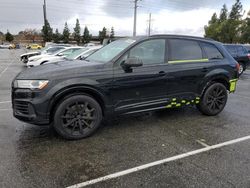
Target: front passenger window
{"x":150,"y":52}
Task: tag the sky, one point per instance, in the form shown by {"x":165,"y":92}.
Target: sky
{"x":168,"y":16}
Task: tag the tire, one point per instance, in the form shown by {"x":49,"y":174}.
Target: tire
{"x":77,"y":117}
{"x":213,"y":100}
{"x":241,"y":69}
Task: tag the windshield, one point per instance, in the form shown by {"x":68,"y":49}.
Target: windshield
{"x":76,"y":53}
{"x":44,"y":50}
{"x":108,"y":52}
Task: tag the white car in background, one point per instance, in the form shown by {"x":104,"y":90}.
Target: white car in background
{"x":78,"y":54}
{"x":45,"y":58}
{"x":47,"y":50}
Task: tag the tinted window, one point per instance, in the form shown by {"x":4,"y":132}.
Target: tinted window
{"x":231,"y":50}
{"x":241,"y":51}
{"x":150,"y":52}
{"x":211,"y":51}
{"x":184,"y":50}
{"x":54,"y":49}
{"x":69,"y":51}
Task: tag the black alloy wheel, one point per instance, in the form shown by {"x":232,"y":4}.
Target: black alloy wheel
{"x":213,"y":100}
{"x":77,"y":117}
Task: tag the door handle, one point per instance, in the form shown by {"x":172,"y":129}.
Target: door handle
{"x":162,"y":73}
{"x":204,"y":69}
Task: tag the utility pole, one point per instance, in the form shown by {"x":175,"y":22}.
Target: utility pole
{"x":44,"y":12}
{"x":135,"y":16}
{"x":149,"y":24}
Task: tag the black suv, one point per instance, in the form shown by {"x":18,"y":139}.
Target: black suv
{"x":127,"y":76}
{"x":240,"y":54}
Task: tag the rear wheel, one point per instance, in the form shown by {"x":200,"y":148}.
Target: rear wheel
{"x":213,"y":100}
{"x":77,"y":117}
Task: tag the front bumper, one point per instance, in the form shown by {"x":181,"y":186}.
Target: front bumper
{"x":28,"y":108}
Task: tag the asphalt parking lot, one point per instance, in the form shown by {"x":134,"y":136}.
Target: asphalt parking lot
{"x":32,"y":156}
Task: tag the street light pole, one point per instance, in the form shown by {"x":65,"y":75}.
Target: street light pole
{"x":135,"y":17}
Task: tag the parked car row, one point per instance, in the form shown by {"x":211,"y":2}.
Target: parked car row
{"x":241,"y":53}
{"x":57,"y":52}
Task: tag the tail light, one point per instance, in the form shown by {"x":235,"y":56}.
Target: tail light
{"x":237,"y":67}
{"x":248,"y":55}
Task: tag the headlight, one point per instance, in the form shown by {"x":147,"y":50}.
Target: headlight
{"x":31,"y":84}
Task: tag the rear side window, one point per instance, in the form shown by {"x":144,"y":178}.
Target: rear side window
{"x":184,"y":50}
{"x":211,"y":51}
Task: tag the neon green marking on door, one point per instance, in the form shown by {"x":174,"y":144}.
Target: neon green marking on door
{"x":189,"y":61}
{"x":198,"y":98}
{"x":174,"y":99}
{"x":188,"y":103}
{"x":169,"y":106}
{"x":183,"y":101}
{"x":177,"y":105}
{"x":197,"y":102}
{"x":173,"y":103}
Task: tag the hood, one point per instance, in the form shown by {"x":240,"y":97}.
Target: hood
{"x":38,"y":57}
{"x":63,"y":69}
{"x":30,"y":53}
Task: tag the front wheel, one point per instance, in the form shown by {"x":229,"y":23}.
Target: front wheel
{"x":213,"y":100}
{"x":77,"y":117}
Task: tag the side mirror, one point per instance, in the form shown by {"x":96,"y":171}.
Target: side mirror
{"x":82,"y":57}
{"x":60,"y":54}
{"x":132,"y":62}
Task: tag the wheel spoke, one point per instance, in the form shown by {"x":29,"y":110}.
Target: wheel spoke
{"x":88,"y":118}
{"x":86,"y":123}
{"x":221,"y":97}
{"x":216,"y":105}
{"x":70,"y":122}
{"x":74,"y":127}
{"x":67,"y":116}
{"x":80,"y":126}
{"x":219,"y":93}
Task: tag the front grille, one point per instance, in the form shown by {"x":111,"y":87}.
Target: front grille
{"x":23,"y":95}
{"x":21,"y":107}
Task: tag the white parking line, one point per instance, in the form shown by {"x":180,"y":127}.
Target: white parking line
{"x":4,"y":70}
{"x":145,"y":166}
{"x":2,"y":102}
{"x":5,"y":109}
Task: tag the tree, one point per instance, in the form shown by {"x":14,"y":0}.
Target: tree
{"x":226,"y":28}
{"x":212,"y":29}
{"x":102,"y":34}
{"x":77,"y":32}
{"x":245,"y":29}
{"x":66,"y":33}
{"x":9,"y":37}
{"x":112,"y":32}
{"x":234,"y":22}
{"x":86,"y":36}
{"x":47,"y":32}
{"x":57,"y":36}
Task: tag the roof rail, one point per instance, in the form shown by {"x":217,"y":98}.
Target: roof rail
{"x":186,"y":36}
